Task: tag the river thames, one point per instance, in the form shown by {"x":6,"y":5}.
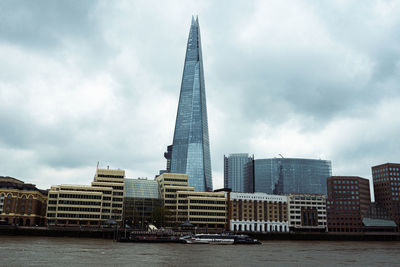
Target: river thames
{"x":51,"y":251}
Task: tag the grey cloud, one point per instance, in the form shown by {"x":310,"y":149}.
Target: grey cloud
{"x":43,"y":24}
{"x":140,"y":46}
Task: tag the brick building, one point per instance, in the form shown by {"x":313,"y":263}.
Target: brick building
{"x":20,"y":203}
{"x":348,"y":200}
{"x":257,"y":212}
{"x":386,"y":179}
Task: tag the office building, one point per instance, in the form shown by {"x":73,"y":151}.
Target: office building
{"x":257,"y":212}
{"x":190,"y":151}
{"x":386,"y":179}
{"x":347,"y":203}
{"x":80,"y":205}
{"x":287,"y":175}
{"x":234,"y":171}
{"x":21,"y":203}
{"x":307,"y":213}
{"x":142,"y":198}
{"x":115,"y":180}
{"x":205,"y":210}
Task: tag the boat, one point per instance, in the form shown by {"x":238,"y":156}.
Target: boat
{"x":245,"y":239}
{"x":209,"y":239}
{"x":222,"y":239}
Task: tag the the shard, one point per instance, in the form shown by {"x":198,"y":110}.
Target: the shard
{"x":190,"y":151}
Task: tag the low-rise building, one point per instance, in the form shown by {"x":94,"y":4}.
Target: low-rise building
{"x":307,"y":212}
{"x":257,"y":212}
{"x":20,"y":203}
{"x":204,"y":210}
{"x":77,"y":205}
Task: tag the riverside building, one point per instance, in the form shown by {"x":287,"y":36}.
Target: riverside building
{"x":204,"y":210}
{"x":257,"y":212}
{"x":21,"y":204}
{"x":141,"y":199}
{"x":386,"y":179}
{"x":347,"y":203}
{"x":234,"y":171}
{"x":307,"y":212}
{"x":79,"y":205}
{"x":287,"y":175}
{"x":190,"y":151}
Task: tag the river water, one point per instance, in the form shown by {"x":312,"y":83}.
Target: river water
{"x":63,"y":251}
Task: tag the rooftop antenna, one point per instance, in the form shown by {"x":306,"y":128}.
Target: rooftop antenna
{"x":97,"y":166}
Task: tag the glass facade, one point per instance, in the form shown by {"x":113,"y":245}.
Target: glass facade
{"x":234,"y":171}
{"x":286,"y":176}
{"x":191,"y":148}
{"x":141,"y":199}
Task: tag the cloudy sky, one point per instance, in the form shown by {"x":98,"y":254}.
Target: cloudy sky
{"x":89,"y":81}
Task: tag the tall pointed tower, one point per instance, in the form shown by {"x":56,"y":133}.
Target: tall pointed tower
{"x":190,"y":152}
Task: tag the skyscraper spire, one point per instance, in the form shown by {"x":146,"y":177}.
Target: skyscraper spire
{"x":191,"y":148}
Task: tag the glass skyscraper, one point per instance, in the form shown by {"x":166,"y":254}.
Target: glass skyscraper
{"x":288,"y":175}
{"x":190,"y":153}
{"x":234,"y":171}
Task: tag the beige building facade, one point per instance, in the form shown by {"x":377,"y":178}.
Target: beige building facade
{"x":307,"y":212}
{"x":79,"y":205}
{"x":205,"y":210}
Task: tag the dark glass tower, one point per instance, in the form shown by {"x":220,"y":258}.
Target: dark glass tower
{"x":191,"y":147}
{"x":287,"y":176}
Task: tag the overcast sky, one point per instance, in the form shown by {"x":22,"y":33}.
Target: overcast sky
{"x":88,"y":81}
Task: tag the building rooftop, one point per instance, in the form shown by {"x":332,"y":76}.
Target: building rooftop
{"x":378,"y":222}
{"x":141,"y":188}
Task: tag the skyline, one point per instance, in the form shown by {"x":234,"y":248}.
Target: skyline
{"x":88,"y":82}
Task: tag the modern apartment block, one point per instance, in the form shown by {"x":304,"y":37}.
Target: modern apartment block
{"x":234,"y":171}
{"x":348,"y":202}
{"x":142,"y":198}
{"x":21,"y":203}
{"x":77,"y":205}
{"x":307,"y":212}
{"x":257,"y":212}
{"x":386,"y":179}
{"x":287,"y":175}
{"x":205,"y":210}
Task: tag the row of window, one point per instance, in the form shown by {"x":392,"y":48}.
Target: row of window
{"x":206,"y":220}
{"x":344,"y":202}
{"x":110,"y":176}
{"x":307,"y":203}
{"x":207,"y":213}
{"x":79,"y":209}
{"x":80,"y":196}
{"x":345,"y":182}
{"x":10,"y":196}
{"x":73,"y":215}
{"x":74,"y":202}
{"x":207,"y":201}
